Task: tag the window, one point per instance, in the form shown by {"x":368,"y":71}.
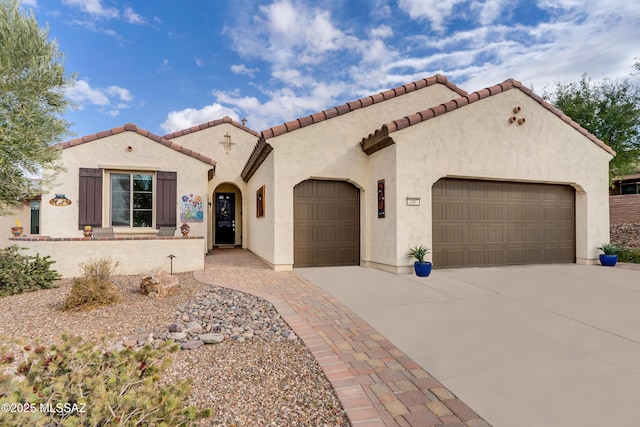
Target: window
{"x":630,"y":188}
{"x":131,"y":200}
{"x":35,"y":217}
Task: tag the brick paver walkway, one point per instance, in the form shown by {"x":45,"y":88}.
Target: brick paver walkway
{"x":377,"y":384}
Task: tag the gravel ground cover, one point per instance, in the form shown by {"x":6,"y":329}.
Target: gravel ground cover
{"x":627,"y":235}
{"x":266,"y":380}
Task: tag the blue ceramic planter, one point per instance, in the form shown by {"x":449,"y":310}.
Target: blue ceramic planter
{"x":608,"y":260}
{"x":422,"y":269}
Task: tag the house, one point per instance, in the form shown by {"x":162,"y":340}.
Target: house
{"x":624,"y":200}
{"x":493,"y":177}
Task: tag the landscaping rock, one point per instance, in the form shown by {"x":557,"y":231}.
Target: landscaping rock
{"x":211,"y":338}
{"x":161,"y":283}
{"x":192,"y":345}
{"x":626,"y":235}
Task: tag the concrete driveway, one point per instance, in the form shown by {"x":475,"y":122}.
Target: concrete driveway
{"x":544,"y":345}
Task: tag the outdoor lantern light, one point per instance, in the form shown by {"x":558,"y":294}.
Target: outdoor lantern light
{"x":171,"y":257}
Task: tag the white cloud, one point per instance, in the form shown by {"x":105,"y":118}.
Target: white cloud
{"x":81,"y":93}
{"x":30,"y":3}
{"x":93,"y":7}
{"x":132,"y":17}
{"x":382,"y":31}
{"x":183,"y":119}
{"x":109,"y":100}
{"x":436,"y":11}
{"x":242,"y":69}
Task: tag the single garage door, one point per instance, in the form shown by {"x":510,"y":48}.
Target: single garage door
{"x":483,"y":223}
{"x":326,"y":223}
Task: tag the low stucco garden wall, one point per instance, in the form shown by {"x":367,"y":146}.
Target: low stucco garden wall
{"x":136,"y":255}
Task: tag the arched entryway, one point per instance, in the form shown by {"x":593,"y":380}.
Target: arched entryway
{"x":326,"y":223}
{"x":227,"y":215}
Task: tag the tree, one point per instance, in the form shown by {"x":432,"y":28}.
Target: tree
{"x":610,"y":110}
{"x":32,"y":101}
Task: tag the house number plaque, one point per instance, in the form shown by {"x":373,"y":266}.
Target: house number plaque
{"x":413,"y":201}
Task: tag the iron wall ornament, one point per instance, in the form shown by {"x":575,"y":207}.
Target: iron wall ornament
{"x":381,"y":198}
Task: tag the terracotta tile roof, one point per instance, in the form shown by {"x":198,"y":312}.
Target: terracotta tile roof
{"x":421,"y":116}
{"x":262,"y":148}
{"x":207,"y":125}
{"x":129,"y":127}
{"x":360,"y":103}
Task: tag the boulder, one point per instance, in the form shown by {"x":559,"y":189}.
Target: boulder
{"x":160,"y":283}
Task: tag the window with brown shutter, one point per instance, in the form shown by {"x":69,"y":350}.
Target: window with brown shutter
{"x":90,"y":198}
{"x":166,"y":199}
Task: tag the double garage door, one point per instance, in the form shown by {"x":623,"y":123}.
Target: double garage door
{"x":484,"y":223}
{"x":326,"y":223}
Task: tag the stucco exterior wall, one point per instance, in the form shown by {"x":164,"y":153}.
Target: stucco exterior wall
{"x":21,"y":212}
{"x":331,"y":150}
{"x":260,"y":231}
{"x":477,"y":141}
{"x":113,"y":153}
{"x":133,"y":256}
{"x":381,"y":242}
{"x":230,"y":164}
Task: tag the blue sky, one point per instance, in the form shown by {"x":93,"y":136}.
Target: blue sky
{"x":166,"y":65}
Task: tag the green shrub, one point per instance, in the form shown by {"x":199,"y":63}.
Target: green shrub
{"x":77,"y":384}
{"x":94,"y":288}
{"x":20,"y":273}
{"x":629,"y":255}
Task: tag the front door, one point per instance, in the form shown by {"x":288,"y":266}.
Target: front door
{"x":225,"y":218}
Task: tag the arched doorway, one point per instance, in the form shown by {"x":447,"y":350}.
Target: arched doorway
{"x":227,"y":215}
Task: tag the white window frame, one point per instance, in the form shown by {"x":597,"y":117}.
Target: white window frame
{"x":109,"y":197}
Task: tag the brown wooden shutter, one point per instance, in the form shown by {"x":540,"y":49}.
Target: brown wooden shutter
{"x":166,"y":199}
{"x":90,"y":198}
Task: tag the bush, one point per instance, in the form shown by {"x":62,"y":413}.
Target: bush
{"x":94,"y":288}
{"x":629,"y":255}
{"x":20,"y":273}
{"x":77,"y":384}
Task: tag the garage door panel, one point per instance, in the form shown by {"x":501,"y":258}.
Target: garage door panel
{"x":502,"y":223}
{"x":454,"y":212}
{"x":325,"y":212}
{"x":326,"y":223}
{"x":495,"y":212}
{"x":303,"y":211}
{"x":477,"y":212}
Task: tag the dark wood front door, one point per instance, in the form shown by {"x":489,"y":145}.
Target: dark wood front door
{"x":225,"y":218}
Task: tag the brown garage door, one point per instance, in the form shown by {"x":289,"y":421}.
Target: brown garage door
{"x":326,"y":223}
{"x":482,"y":223}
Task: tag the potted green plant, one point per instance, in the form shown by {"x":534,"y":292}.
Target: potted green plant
{"x":609,"y":257}
{"x":421,"y":267}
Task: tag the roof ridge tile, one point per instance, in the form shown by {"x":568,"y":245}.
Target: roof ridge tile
{"x":361,"y":103}
{"x":203,"y":126}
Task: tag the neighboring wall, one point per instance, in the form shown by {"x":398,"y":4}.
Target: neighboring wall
{"x":624,"y":209}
